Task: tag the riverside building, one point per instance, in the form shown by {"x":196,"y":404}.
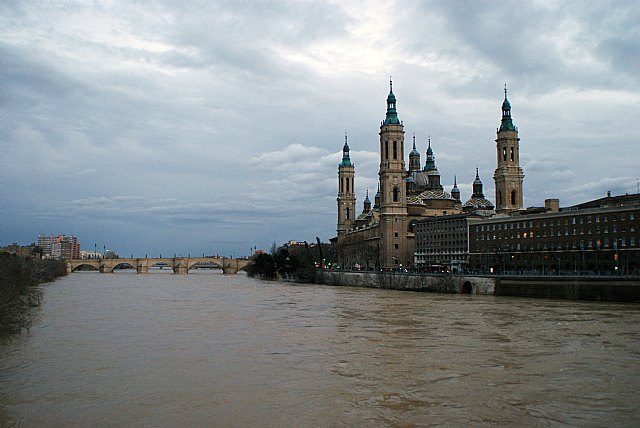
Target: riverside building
{"x":597,"y":237}
{"x":383,"y":235}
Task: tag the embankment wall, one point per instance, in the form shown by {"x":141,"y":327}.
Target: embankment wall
{"x":609,"y":289}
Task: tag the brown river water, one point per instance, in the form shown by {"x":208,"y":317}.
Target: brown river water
{"x":205,"y":349}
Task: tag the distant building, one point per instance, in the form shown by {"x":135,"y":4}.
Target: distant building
{"x":599,"y":236}
{"x":59,"y":247}
{"x":317,"y":254}
{"x":383,"y":235}
{"x":442,"y":243}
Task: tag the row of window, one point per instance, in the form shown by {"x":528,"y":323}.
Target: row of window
{"x":442,"y":236}
{"x":551,"y":232}
{"x":574,"y":245}
{"x":559,"y":222}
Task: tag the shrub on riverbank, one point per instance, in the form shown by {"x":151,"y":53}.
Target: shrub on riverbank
{"x":20,"y":278}
{"x":282,"y":265}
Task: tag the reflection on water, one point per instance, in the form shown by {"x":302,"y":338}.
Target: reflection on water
{"x":203,"y":349}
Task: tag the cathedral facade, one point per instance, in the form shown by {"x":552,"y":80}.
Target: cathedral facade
{"x":382,"y":235}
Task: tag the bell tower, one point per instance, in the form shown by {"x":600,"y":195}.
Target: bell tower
{"x":394,"y":251}
{"x":508,"y":175}
{"x":346,"y":192}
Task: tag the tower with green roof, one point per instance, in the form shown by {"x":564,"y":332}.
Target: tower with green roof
{"x":394,"y":248}
{"x":346,"y":191}
{"x":508,"y":175}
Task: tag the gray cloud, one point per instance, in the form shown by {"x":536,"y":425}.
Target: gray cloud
{"x":218,"y":126}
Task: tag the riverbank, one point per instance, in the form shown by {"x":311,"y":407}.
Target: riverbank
{"x":20,"y":280}
{"x":606,"y":289}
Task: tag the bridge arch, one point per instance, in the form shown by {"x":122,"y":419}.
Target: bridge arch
{"x":118,"y":266}
{"x":162,"y":264}
{"x":83,"y":267}
{"x":201,"y":262}
{"x":467,"y":288}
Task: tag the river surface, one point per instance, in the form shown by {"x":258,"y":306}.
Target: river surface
{"x":205,"y":349}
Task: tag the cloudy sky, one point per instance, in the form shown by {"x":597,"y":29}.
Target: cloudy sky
{"x":204,"y":127}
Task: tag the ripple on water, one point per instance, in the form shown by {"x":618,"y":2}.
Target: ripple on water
{"x":208,"y":349}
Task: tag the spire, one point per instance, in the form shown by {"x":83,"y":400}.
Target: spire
{"x":455,"y":192}
{"x":346,"y":161}
{"x":430,"y":164}
{"x":507,"y":122}
{"x":414,"y":157}
{"x":477,"y":187}
{"x":392,"y":114}
{"x":376,"y":199}
{"x":367,"y":202}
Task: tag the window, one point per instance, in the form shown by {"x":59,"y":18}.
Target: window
{"x":395,"y":246}
{"x":504,"y":153}
{"x":395,"y":234}
{"x":395,"y":194}
{"x":395,"y":150}
{"x":347,"y":185}
{"x":511,"y":153}
{"x":347,"y":211}
{"x":513,"y":197}
{"x":386,"y":150}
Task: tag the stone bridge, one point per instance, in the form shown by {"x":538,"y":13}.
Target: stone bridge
{"x":180,"y":265}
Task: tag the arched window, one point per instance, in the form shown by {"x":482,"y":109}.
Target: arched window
{"x":347,"y":210}
{"x":386,"y":150}
{"x":347,"y":185}
{"x":513,"y":197}
{"x":511,"y":153}
{"x":395,"y":194}
{"x":395,"y":150}
{"x":504,"y":153}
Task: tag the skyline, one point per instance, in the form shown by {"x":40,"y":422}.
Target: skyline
{"x":166,"y":129}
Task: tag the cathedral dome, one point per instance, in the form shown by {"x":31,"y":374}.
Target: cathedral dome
{"x":421,"y":179}
{"x":477,"y":204}
{"x":424,"y":197}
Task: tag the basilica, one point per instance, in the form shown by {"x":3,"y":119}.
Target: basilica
{"x":382,"y":235}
